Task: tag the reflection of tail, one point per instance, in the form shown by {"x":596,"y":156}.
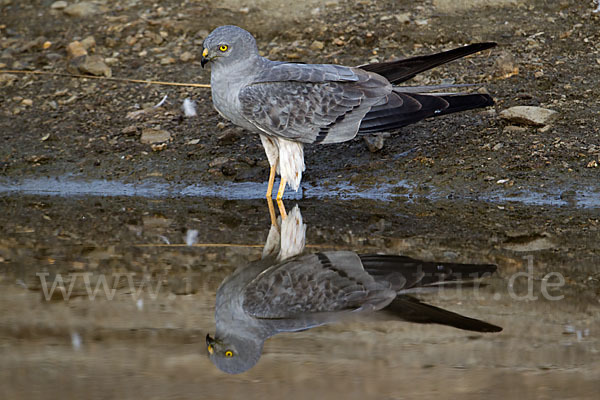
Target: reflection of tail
{"x":410,"y":309}
{"x":406,"y":273}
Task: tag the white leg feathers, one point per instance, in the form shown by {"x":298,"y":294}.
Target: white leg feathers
{"x":288,"y":156}
{"x":291,"y":162}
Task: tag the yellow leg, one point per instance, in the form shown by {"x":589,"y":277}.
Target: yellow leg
{"x":281,"y":188}
{"x":271,"y":181}
{"x":282,"y":211}
{"x":272,"y":212}
{"x":279,"y":202}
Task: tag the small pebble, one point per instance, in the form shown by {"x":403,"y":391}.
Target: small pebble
{"x":186,"y":56}
{"x":317,"y":45}
{"x":59,"y":5}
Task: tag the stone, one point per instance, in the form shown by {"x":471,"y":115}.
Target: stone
{"x":514,"y":129}
{"x":83,"y":9}
{"x":374,"y":142}
{"x":317,"y":45}
{"x":527,"y":243}
{"x":88,"y":43}
{"x":219,"y":161}
{"x":167,"y":60}
{"x":153,"y":136}
{"x":453,"y":6}
{"x":529,"y":115}
{"x":186,"y":56}
{"x":8,"y":79}
{"x":75,"y":49}
{"x":505,"y":66}
{"x":403,"y":18}
{"x":94,"y":65}
{"x":158,"y":147}
{"x":129,"y":130}
{"x":228,"y":136}
{"x":59,"y":5}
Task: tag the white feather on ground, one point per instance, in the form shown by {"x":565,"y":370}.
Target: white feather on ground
{"x":160,"y":103}
{"x":191,"y":237}
{"x":189,"y":108}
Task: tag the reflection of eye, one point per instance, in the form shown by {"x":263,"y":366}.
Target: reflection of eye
{"x":228,"y":353}
{"x":223,"y":47}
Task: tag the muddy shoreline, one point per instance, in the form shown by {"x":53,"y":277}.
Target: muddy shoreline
{"x":53,"y":126}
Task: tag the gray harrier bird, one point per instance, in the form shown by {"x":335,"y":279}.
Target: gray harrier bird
{"x":287,"y":291}
{"x":292,"y":104}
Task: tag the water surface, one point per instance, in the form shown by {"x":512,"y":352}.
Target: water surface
{"x":143,"y":334}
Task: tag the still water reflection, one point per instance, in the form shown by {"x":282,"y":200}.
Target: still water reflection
{"x":112,"y":297}
{"x":288,"y":291}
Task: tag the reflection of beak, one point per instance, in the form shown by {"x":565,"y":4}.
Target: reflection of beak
{"x":204,"y":60}
{"x":210,"y":342}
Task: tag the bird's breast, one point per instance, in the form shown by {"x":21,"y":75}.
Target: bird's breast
{"x":225,"y":92}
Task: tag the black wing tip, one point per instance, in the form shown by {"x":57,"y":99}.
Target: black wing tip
{"x":491,"y":328}
{"x":410,"y":309}
{"x":489,"y":100}
{"x":476,"y":325}
{"x":482,"y":45}
{"x":404,"y":69}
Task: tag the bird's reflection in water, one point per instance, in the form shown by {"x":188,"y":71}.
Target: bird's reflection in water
{"x":288,"y":290}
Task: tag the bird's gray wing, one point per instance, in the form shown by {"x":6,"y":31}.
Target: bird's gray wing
{"x":305,"y":288}
{"x":286,"y":72}
{"x":312,"y":103}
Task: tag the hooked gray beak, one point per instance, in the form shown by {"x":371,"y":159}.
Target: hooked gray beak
{"x":204,"y":60}
{"x":210,"y":343}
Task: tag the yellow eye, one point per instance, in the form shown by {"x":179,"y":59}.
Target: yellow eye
{"x":223,"y":47}
{"x":228,"y":353}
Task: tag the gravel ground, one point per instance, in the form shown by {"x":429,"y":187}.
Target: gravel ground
{"x":548,"y":56}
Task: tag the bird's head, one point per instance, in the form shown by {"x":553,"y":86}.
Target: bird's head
{"x":228,"y":44}
{"x":234,"y":354}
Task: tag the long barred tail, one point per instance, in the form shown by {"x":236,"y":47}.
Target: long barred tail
{"x":407,"y":108}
